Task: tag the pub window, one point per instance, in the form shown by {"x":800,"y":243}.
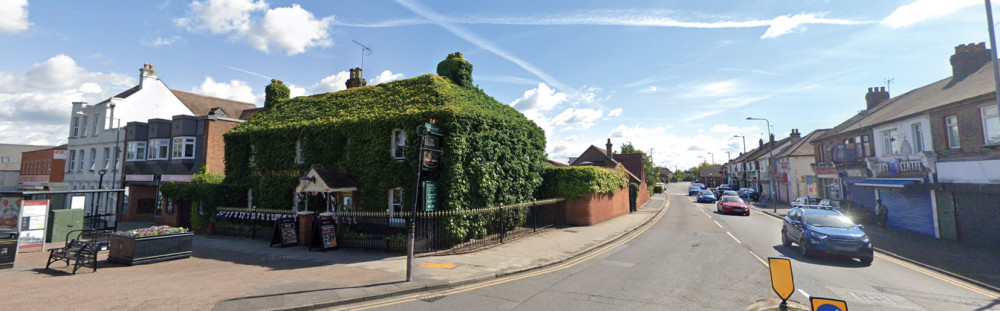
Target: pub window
{"x":300,"y":151}
{"x":396,"y":207}
{"x":398,"y":141}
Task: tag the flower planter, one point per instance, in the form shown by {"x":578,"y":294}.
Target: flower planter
{"x":140,"y":250}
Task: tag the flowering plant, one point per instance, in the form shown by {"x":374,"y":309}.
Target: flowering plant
{"x":151,"y":231}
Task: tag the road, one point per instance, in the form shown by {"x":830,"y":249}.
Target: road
{"x":695,"y":259}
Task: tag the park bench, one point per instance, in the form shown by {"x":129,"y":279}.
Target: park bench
{"x":83,"y":253}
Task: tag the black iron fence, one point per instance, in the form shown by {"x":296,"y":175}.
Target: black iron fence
{"x":436,"y":231}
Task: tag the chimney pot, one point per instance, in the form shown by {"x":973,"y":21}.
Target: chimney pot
{"x":608,"y":145}
{"x":356,"y":79}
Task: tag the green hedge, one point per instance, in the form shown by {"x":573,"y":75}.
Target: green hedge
{"x":206,"y":189}
{"x":578,"y":181}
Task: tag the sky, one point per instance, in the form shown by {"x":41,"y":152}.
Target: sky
{"x":676,"y":79}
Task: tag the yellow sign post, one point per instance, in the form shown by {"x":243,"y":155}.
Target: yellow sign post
{"x":827,"y":304}
{"x":781,"y":277}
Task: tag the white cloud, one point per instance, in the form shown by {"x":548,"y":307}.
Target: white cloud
{"x":386,"y":76}
{"x":718,"y":88}
{"x":14,"y":16}
{"x":650,"y":89}
{"x":540,"y":99}
{"x":292,"y":30}
{"x":615,"y":112}
{"x":234,"y":89}
{"x":296,"y":91}
{"x":733,"y":130}
{"x":703,"y":115}
{"x":577,"y":118}
{"x":159,"y":41}
{"x":35,"y":103}
{"x":921,"y":10}
{"x":332,"y":83}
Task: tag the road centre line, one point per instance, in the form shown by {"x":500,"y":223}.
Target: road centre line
{"x":734,"y":238}
{"x":803,"y":293}
{"x":758,"y":258}
{"x":718,"y":224}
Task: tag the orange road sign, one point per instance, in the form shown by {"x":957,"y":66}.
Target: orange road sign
{"x":781,"y":276}
{"x":827,"y":304}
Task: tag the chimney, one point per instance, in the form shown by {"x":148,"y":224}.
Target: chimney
{"x":760,"y":144}
{"x":147,"y":72}
{"x":875,"y":96}
{"x":968,"y":58}
{"x":356,"y":80}
{"x":796,"y":136}
{"x":608,"y":145}
{"x":772,"y":139}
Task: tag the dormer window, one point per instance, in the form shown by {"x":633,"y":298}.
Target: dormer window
{"x":183,"y":147}
{"x":159,"y":149}
{"x":300,"y":153}
{"x":135,"y":151}
{"x":398,"y":141}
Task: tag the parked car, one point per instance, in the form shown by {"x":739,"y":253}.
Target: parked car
{"x":706,"y":196}
{"x":694,"y":190}
{"x":658,"y":188}
{"x":823,"y":231}
{"x":722,"y":188}
{"x":699,"y":185}
{"x":749,"y":194}
{"x":803,"y":201}
{"x":732,"y":204}
{"x":728,"y":193}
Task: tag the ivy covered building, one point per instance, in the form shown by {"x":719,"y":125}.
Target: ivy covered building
{"x":492,"y":154}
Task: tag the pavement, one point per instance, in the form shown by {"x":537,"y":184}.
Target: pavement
{"x":237,"y":274}
{"x":979,"y":266}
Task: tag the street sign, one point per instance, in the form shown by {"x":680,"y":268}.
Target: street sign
{"x":432,"y":142}
{"x":781,"y":276}
{"x":827,"y":304}
{"x":433,"y":129}
{"x":430,"y":195}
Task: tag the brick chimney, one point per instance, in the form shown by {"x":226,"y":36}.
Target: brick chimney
{"x":875,"y":96}
{"x":772,"y":139}
{"x":356,"y":80}
{"x":795,"y":135}
{"x":608,"y":145}
{"x":147,"y":72}
{"x":760,"y":144}
{"x":968,"y":58}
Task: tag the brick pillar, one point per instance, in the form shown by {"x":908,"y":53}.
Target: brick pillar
{"x":305,"y":228}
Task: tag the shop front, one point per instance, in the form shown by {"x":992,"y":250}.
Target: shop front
{"x":901,"y":185}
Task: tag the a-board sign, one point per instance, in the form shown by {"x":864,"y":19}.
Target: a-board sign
{"x":285,"y":233}
{"x":324,"y":235}
{"x":781,"y":276}
{"x":827,"y":304}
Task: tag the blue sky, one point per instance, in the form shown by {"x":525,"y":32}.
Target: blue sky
{"x":677,"y":77}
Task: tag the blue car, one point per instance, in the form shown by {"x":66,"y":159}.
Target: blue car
{"x":706,"y":196}
{"x":694,"y":190}
{"x":823,"y":231}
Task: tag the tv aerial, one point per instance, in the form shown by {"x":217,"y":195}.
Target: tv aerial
{"x":365,"y":50}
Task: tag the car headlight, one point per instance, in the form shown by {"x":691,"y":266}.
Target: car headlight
{"x":865,"y":239}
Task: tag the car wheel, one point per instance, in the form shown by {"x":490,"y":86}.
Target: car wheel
{"x":804,"y":248}
{"x":867,"y":261}
{"x":784,"y":239}
{"x":747,"y":213}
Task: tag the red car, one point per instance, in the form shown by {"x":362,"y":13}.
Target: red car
{"x":732,"y":204}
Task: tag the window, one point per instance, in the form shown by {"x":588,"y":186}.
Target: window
{"x":183,"y":148}
{"x":918,"y":137}
{"x":72,"y":161}
{"x":396,"y":208}
{"x":159,"y":149}
{"x":889,"y":142}
{"x":5,"y":160}
{"x":79,"y":167}
{"x":107,"y":158}
{"x":398,"y":141}
{"x":951,"y":125}
{"x":97,"y":124}
{"x":991,"y":125}
{"x":76,"y":127}
{"x":93,"y":159}
{"x":866,"y":146}
{"x":170,"y":206}
{"x":300,"y":153}
{"x":253,"y":153}
{"x":136,"y":151}
{"x":84,"y":127}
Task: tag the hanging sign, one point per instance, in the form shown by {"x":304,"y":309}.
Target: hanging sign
{"x":430,"y":195}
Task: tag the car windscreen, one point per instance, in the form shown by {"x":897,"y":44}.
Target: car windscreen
{"x":731,"y":200}
{"x":706,"y":192}
{"x":827,"y":220}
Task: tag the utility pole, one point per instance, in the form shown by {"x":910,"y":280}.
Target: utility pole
{"x":770,"y":161}
{"x":993,"y":50}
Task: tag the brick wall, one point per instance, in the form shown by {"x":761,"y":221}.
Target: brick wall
{"x":596,"y":208}
{"x":643,"y":195}
{"x":137,"y":193}
{"x":215,"y":146}
{"x":970,"y":132}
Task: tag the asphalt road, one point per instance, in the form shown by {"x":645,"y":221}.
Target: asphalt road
{"x":695,"y":259}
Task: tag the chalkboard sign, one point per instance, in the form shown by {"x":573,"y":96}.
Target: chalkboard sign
{"x":285,"y":233}
{"x":324,"y":235}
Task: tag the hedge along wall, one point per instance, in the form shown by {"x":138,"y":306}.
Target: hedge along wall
{"x":492,"y":153}
{"x":577,"y":181}
{"x":207,"y":189}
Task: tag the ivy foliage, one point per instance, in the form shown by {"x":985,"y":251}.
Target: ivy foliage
{"x":578,"y":181}
{"x":206,"y":189}
{"x":492,"y":153}
{"x":275,"y":92}
{"x":456,"y":69}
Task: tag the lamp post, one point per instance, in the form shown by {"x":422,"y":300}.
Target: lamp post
{"x":743,"y":168}
{"x":770,"y":159}
{"x":100,"y":185}
{"x":713,"y":157}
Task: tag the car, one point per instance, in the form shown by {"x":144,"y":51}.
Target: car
{"x":803,"y":201}
{"x":699,"y":185}
{"x":658,"y":188}
{"x":749,"y":194}
{"x":722,"y":188}
{"x":729,"y":193}
{"x":824,"y":231}
{"x":732,"y":204}
{"x":706,"y":196}
{"x":694,"y":190}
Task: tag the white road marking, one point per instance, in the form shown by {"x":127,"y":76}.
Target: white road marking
{"x":759,"y":259}
{"x":804,"y":293}
{"x":734,"y":238}
{"x":718,"y":224}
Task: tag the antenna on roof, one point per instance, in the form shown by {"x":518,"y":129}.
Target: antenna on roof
{"x":365,"y":50}
{"x":888,"y":82}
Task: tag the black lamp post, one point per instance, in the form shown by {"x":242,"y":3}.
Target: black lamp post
{"x":770,"y":163}
{"x":100,"y":185}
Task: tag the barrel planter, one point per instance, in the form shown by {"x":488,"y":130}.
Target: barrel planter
{"x":140,"y":250}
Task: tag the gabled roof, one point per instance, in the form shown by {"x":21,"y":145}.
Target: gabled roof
{"x":555,"y":163}
{"x":332,"y":177}
{"x":123,"y":94}
{"x":632,"y":163}
{"x":766,"y":149}
{"x":201,"y":105}
{"x":802,"y":148}
{"x":593,"y":151}
{"x":710,"y":171}
{"x":247,"y":114}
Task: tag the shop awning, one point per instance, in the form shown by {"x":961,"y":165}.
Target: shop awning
{"x":886,"y":183}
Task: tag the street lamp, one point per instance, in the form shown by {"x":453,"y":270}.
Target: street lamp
{"x":770,"y":158}
{"x":743,"y":164}
{"x":713,"y":157}
{"x":100,"y":185}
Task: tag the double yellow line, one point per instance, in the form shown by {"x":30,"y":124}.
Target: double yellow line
{"x":568,"y":264}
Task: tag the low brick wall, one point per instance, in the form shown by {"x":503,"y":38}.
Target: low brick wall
{"x":596,"y":208}
{"x":643,"y":196}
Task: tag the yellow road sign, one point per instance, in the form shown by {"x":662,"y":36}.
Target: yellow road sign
{"x":827,"y":304}
{"x":437,"y":265}
{"x":781,"y":276}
